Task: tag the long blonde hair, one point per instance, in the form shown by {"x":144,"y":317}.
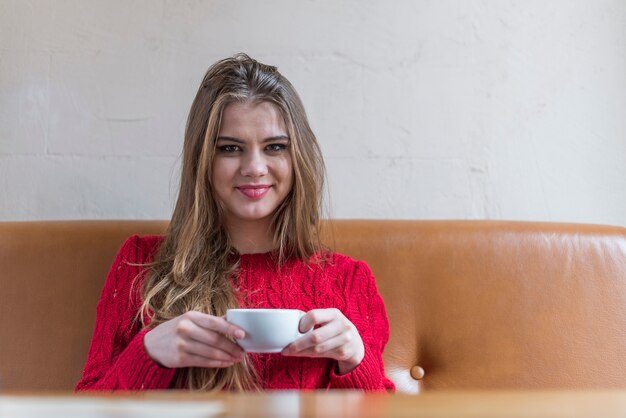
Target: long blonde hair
{"x":196,"y":262}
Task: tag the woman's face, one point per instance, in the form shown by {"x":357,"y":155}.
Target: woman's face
{"x":252,"y":167}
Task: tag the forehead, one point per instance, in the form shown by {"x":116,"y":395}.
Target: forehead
{"x":252,"y":121}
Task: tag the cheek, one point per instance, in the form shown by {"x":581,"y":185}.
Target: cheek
{"x":290,"y":176}
{"x":286,"y":179}
{"x":220,"y":177}
{"x":224,"y":168}
{"x":286,"y":171}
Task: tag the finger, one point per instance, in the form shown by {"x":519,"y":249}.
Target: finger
{"x":211,"y":338}
{"x":326,"y":349}
{"x":216,"y":323}
{"x":339,"y":351}
{"x":318,"y":317}
{"x":338,"y":348}
{"x":196,"y":348}
{"x":317,"y":336}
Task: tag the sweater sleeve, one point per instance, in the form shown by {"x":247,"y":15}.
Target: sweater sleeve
{"x":117,"y":359}
{"x":367,"y":312}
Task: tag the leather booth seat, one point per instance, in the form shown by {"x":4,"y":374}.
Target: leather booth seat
{"x":472,"y":304}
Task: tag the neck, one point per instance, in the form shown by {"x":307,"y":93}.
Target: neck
{"x":251,"y":237}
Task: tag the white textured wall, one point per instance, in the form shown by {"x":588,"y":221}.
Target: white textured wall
{"x":424,"y":109}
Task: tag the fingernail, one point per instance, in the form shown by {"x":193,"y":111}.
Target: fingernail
{"x":239,"y":334}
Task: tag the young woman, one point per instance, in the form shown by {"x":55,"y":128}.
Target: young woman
{"x":244,"y":233}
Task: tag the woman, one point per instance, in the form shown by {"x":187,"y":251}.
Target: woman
{"x":245,"y":232}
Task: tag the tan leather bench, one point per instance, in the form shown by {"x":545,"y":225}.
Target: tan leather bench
{"x":475,"y":304}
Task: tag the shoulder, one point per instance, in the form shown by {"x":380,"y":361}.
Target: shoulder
{"x":344,"y":267}
{"x":344,"y":262}
{"x":130,"y":268}
{"x":353,"y":278}
{"x":139,"y":249}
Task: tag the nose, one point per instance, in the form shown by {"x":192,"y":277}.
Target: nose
{"x":254,"y":165}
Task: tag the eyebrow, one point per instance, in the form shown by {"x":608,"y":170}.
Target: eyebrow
{"x":241,"y":141}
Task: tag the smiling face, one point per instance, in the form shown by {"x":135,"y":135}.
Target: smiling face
{"x":252,"y":167}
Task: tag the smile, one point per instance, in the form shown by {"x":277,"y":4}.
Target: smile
{"x":254,"y":192}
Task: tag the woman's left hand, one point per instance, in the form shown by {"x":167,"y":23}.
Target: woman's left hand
{"x":334,"y":337}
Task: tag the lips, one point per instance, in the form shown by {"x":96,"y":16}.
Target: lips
{"x":254,"y":191}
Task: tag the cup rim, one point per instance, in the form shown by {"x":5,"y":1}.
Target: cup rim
{"x":263,"y":310}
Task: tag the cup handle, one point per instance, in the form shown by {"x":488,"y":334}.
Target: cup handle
{"x":301,"y":334}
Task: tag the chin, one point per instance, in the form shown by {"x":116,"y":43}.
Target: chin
{"x":253,"y":216}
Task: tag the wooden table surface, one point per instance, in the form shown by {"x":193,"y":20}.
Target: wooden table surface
{"x":315,"y":404}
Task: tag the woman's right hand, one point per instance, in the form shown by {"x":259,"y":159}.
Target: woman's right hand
{"x":194,"y":339}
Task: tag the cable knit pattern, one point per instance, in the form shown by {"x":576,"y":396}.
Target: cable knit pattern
{"x":117,"y":359}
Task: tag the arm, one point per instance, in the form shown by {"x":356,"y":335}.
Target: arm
{"x":367,"y":312}
{"x":117,"y":359}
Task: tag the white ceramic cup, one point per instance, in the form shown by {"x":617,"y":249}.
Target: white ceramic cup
{"x":267,"y":330}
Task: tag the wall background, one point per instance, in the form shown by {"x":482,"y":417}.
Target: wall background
{"x":424,"y":109}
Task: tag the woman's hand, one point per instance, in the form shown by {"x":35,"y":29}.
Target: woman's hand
{"x":334,"y":337}
{"x":194,"y":339}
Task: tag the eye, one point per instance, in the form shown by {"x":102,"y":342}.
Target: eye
{"x":228,"y":149}
{"x":276,"y":147}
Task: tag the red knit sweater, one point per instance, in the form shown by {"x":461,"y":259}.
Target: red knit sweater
{"x":118,"y":361}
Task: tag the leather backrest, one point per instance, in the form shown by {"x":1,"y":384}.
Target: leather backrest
{"x":476,"y":304}
{"x":498,"y":305}
{"x":51,"y":277}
